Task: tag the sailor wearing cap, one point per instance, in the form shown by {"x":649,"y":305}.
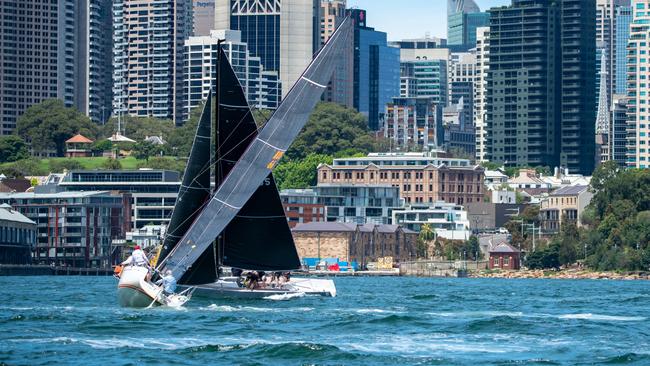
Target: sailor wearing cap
{"x":137,"y":258}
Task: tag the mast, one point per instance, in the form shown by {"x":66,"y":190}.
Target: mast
{"x":218,"y":171}
{"x":261,"y":155}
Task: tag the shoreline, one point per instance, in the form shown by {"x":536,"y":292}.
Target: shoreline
{"x":564,"y":274}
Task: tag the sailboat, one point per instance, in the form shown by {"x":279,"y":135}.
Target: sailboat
{"x":240,"y":223}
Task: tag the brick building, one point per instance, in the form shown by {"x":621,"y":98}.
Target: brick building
{"x":354,"y":243}
{"x":505,"y":256}
{"x":420,"y":178}
{"x":302,"y":206}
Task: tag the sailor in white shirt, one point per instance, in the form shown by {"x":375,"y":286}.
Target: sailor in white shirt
{"x":137,"y":258}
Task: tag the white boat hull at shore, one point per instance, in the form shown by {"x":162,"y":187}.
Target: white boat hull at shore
{"x":228,"y":287}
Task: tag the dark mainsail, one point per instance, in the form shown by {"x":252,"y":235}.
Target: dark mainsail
{"x":195,"y":188}
{"x":259,"y":237}
{"x":260,"y":157}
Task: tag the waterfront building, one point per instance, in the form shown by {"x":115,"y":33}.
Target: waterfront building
{"x":150,"y":194}
{"x":358,"y":203}
{"x":203,"y":17}
{"x":285,"y":34}
{"x":354,"y":243}
{"x":538,"y":115}
{"x":638,"y":89}
{"x":527,"y":181}
{"x":562,"y":206}
{"x":619,"y":130}
{"x":413,"y":122}
{"x":200,"y":53}
{"x":447,"y":220}
{"x":504,"y":256}
{"x":54,"y":49}
{"x":623,"y":18}
{"x":420,"y":177}
{"x":73,"y":228}
{"x":480,"y":91}
{"x":463,"y":18}
{"x":148,"y":57}
{"x":376,"y":70}
{"x":495,"y":178}
{"x":302,"y":206}
{"x":17,"y":236}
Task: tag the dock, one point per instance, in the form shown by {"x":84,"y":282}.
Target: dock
{"x":42,"y":270}
{"x":378,"y":273}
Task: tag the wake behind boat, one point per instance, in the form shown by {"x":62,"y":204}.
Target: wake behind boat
{"x":240,"y":223}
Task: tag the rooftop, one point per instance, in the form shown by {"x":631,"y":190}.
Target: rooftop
{"x":569,"y":191}
{"x":504,"y":248}
{"x":62,"y":195}
{"x":7,"y":213}
{"x":347,"y":227}
{"x":79,"y":139}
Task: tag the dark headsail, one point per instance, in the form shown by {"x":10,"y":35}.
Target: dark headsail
{"x":261,"y":156}
{"x":259,"y":237}
{"x":195,"y":188}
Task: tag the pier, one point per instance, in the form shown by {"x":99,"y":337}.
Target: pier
{"x":41,"y":270}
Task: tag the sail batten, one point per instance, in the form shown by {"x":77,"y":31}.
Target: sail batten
{"x":258,"y":160}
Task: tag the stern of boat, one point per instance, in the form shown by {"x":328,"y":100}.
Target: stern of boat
{"x":134,"y":291}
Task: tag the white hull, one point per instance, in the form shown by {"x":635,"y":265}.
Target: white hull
{"x":134,"y":291}
{"x":229,"y":288}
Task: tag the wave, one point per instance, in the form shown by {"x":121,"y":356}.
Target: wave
{"x":232,"y":309}
{"x":287,"y":296}
{"x":377,"y":311}
{"x":601,"y":317}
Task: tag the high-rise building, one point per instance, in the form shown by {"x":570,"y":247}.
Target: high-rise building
{"x":376,"y":70}
{"x":423,"y":71}
{"x":54,"y":49}
{"x":638,"y":89}
{"x":619,"y":129}
{"x":201,"y":70}
{"x":463,"y":17}
{"x":522,"y":87}
{"x":541,"y":104}
{"x":578,"y":105}
{"x":606,"y":36}
{"x":148,"y":56}
{"x":623,"y":19}
{"x":462,"y":73}
{"x":480,"y":90}
{"x":203,"y":14}
{"x":285,"y":34}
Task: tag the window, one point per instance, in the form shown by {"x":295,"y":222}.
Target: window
{"x":506,"y":261}
{"x":496,"y":261}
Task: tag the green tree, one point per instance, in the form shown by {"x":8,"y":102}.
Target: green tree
{"x":299,"y":173}
{"x":101,"y":145}
{"x":332,"y":128}
{"x":111,"y":164}
{"x":22,"y":168}
{"x":49,"y":124}
{"x":12,"y":148}
{"x":425,"y":239}
{"x":143,"y":150}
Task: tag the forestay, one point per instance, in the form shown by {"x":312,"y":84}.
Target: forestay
{"x":261,"y":156}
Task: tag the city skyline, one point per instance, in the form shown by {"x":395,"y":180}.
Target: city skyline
{"x":387,"y":18}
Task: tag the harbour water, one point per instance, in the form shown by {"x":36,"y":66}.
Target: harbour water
{"x":373,"y":321}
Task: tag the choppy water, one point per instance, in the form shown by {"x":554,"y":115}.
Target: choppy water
{"x":373,"y":321}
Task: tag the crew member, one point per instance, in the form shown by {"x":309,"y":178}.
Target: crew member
{"x":137,"y":258}
{"x":168,"y":282}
